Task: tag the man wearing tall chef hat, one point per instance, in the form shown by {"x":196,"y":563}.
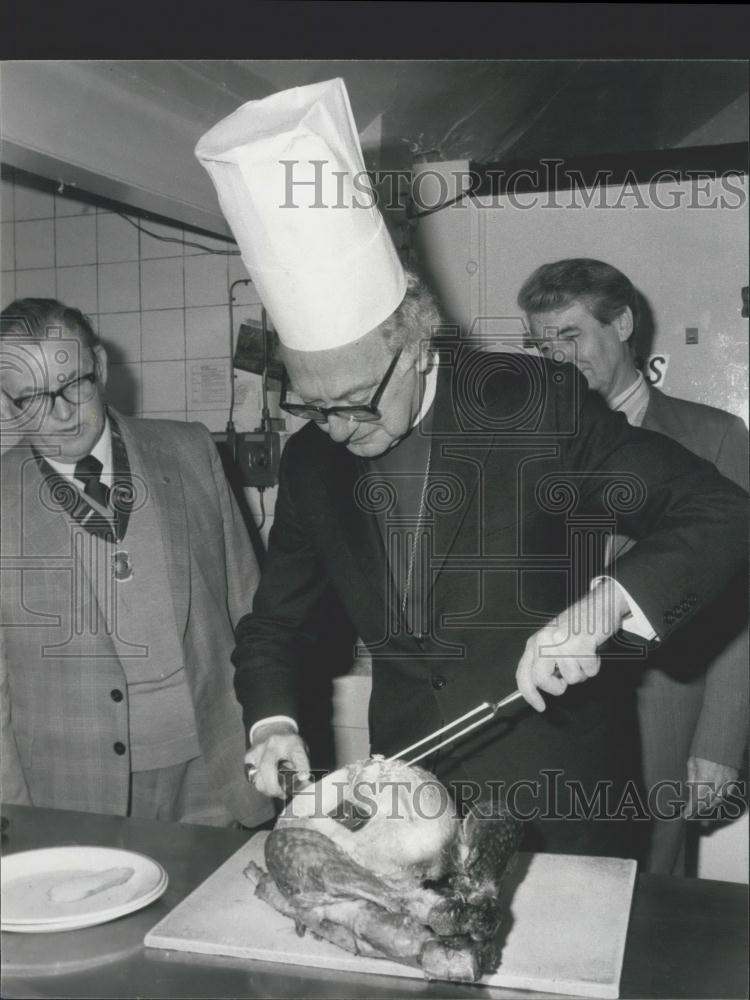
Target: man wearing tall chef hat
{"x":456,"y":503}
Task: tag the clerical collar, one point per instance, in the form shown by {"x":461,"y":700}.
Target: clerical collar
{"x":411,"y":451}
{"x":633,"y":400}
{"x":430,"y":388}
{"x":101,"y":450}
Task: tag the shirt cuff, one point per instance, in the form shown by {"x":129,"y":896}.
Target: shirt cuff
{"x":272,"y":718}
{"x":635,"y":620}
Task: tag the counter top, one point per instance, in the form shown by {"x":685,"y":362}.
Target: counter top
{"x":687,"y":937}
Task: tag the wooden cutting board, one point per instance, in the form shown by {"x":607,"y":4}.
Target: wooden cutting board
{"x":565,"y":933}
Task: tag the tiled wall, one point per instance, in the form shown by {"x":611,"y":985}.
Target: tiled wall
{"x":159,"y":307}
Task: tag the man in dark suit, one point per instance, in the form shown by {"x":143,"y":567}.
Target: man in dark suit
{"x":693,"y":695}
{"x":455,"y":501}
{"x":507,"y":488}
{"x":125,"y":564}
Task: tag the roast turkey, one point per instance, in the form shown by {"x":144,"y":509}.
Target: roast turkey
{"x":415,"y":884}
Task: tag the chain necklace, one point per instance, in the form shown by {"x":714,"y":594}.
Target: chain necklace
{"x":415,"y":543}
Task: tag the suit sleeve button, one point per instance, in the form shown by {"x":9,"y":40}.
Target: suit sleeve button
{"x":668,"y":617}
{"x":116,"y":694}
{"x":438,"y":682}
{"x":119,"y":748}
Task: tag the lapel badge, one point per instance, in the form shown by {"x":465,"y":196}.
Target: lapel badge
{"x":122,"y":566}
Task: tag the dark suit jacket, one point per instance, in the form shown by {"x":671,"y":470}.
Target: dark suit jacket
{"x":529,"y":470}
{"x":709,"y":658}
{"x":59,"y":723}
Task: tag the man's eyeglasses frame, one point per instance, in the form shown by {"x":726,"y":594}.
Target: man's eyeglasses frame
{"x":26,"y":403}
{"x":361,"y":412}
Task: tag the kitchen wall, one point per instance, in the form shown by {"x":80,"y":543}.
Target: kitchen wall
{"x":683,"y":244}
{"x":161,"y":308}
{"x":690,"y":260}
{"x":158,"y":306}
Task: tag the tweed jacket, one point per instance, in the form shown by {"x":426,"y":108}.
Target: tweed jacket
{"x":60,"y":721}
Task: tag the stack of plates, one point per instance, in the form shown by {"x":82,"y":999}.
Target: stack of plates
{"x":65,"y":888}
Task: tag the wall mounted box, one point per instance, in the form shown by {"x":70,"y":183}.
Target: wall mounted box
{"x":257,"y":456}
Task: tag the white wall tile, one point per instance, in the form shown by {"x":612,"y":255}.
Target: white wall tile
{"x":35,"y":244}
{"x":163,"y":385}
{"x":121,"y":333}
{"x":152,"y":247}
{"x":76,"y":286}
{"x":119,"y":289}
{"x":75,"y":240}
{"x":7,"y":287}
{"x":7,"y":210}
{"x":215,"y":420}
{"x":163,"y":334}
{"x":242,"y":294}
{"x":8,"y":241}
{"x":116,"y":239}
{"x":205,"y":280}
{"x":207,"y":332}
{"x":166,"y":415}
{"x":70,"y":203}
{"x":162,"y":283}
{"x":33,"y":204}
{"x":124,"y":390}
{"x":36,"y":284}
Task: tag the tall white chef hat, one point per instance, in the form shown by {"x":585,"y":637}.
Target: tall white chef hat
{"x":291,"y":182}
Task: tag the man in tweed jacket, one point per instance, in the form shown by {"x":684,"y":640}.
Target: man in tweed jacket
{"x":125,"y":564}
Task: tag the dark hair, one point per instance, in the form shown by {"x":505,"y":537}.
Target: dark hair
{"x":604,"y":290}
{"x":416,"y":318}
{"x":37,"y":317}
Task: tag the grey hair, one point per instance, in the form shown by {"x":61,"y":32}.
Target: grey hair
{"x":417,"y":319}
{"x":36,"y":317}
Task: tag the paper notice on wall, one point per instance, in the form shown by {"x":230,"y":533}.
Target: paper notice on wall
{"x":209,"y":384}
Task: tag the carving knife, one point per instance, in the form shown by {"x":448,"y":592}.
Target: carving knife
{"x":490,"y":708}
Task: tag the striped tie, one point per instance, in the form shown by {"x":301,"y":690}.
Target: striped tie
{"x":88,"y":471}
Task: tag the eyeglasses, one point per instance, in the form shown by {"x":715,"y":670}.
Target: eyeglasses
{"x":79,"y":391}
{"x":363,"y":412}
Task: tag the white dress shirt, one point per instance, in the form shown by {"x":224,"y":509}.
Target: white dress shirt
{"x":102,"y":451}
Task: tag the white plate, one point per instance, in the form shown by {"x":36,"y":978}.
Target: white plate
{"x":64,"y":888}
{"x":88,"y":919}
